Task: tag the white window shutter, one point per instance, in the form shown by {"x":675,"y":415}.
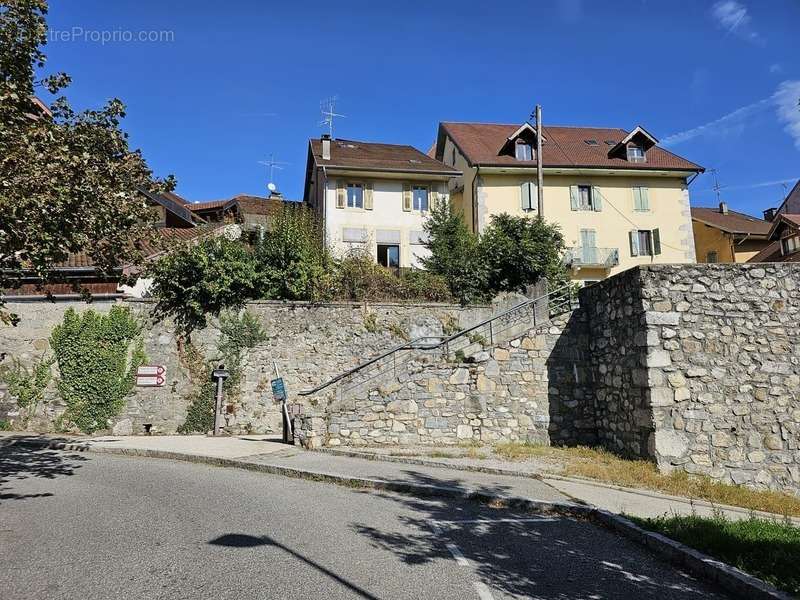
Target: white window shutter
{"x":368,"y":196}
{"x":525,"y":196}
{"x":634,"y":237}
{"x":645,"y":198}
{"x":534,"y":196}
{"x":574,"y":203}
{"x":341,"y":194}
{"x":407,"y":197}
{"x":597,"y":199}
{"x":637,"y":198}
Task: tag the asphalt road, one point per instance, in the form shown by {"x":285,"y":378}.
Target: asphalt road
{"x":98,"y":527}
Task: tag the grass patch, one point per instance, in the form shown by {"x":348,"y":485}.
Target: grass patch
{"x":769,"y":550}
{"x":599,"y":464}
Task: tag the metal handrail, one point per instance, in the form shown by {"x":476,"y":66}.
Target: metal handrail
{"x":442,"y":342}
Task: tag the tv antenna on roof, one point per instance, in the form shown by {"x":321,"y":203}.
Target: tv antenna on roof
{"x":272,"y":164}
{"x":717,"y":187}
{"x":328,"y":109}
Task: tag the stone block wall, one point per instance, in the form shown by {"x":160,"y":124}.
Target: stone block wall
{"x":698,"y":368}
{"x":309,"y":343}
{"x":530,"y":388}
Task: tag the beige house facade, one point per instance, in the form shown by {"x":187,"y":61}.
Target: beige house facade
{"x":619,"y":199}
{"x":374,"y":198}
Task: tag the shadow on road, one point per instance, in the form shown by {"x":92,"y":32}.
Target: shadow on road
{"x":240,"y":540}
{"x":19,"y":460}
{"x":522,"y":555}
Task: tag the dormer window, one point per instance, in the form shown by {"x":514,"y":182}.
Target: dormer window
{"x":790,"y":245}
{"x":636,"y":154}
{"x":524,"y":151}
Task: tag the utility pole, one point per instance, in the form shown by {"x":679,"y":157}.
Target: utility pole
{"x":539,"y":171}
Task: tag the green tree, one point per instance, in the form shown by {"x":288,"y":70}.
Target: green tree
{"x":519,"y":251}
{"x":69,"y":180}
{"x":291,"y":256}
{"x":95,"y":369}
{"x":454,"y":254}
{"x":195,"y":280}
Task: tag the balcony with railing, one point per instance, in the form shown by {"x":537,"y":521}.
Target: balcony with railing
{"x":591,"y":257}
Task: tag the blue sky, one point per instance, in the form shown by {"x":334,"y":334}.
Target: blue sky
{"x":232,"y":83}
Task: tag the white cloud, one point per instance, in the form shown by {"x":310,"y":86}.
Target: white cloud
{"x":726,"y":124}
{"x":776,"y":68}
{"x":787,"y":100}
{"x":733,"y":17}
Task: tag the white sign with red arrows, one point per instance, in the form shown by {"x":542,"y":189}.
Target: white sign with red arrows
{"x":151,"y":376}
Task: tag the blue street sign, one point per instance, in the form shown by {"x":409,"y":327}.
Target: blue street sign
{"x":278,"y":389}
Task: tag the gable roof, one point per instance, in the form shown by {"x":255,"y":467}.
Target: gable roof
{"x":562,"y":147}
{"x":371,"y":156}
{"x":784,"y":220}
{"x":732,"y":222}
{"x":172,"y":203}
{"x":791,"y":203}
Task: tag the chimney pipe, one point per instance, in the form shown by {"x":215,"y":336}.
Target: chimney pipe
{"x":723,"y":208}
{"x":326,"y":146}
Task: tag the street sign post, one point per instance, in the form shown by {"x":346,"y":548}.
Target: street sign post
{"x":151,"y":376}
{"x":279,"y":393}
{"x":219,"y":375}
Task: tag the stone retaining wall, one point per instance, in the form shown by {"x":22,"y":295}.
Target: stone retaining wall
{"x":308,"y":343}
{"x":698,"y":368}
{"x":531,"y":388}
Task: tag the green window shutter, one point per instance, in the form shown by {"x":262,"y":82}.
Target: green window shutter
{"x":597,"y":199}
{"x":341,"y":194}
{"x":645,"y":198}
{"x":534,"y":196}
{"x":656,"y":242}
{"x":368,"y":196}
{"x":634,"y":238}
{"x":407,"y":197}
{"x":637,"y":198}
{"x":573,"y":197}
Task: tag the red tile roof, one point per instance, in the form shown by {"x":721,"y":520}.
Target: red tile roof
{"x":378,"y":157}
{"x":565,"y":147}
{"x":196,"y":206}
{"x":732,"y":222}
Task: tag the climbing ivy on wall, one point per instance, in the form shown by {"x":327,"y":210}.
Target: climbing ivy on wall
{"x":27,"y":385}
{"x":97,"y":364}
{"x":237,"y":334}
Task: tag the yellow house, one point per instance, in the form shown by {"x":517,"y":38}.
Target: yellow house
{"x":619,"y":199}
{"x":722,"y":235}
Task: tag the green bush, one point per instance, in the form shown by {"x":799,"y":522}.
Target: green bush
{"x":511,"y":254}
{"x":96,"y":371}
{"x":454,"y":254}
{"x":291,"y":257}
{"x":196,"y":280}
{"x":28,"y":386}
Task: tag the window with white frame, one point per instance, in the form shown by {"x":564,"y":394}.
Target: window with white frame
{"x":635,"y":153}
{"x":585,"y":197}
{"x":524,"y":151}
{"x":420,"y":198}
{"x":791,"y":244}
{"x":355,"y":195}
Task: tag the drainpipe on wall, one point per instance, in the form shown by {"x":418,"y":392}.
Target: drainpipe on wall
{"x":539,"y":167}
{"x":475,"y":199}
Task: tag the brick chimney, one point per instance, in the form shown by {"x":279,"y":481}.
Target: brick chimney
{"x":723,"y":208}
{"x":770,"y":213}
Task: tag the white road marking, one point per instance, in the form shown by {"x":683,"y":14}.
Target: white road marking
{"x":483,"y":591}
{"x":460,"y":559}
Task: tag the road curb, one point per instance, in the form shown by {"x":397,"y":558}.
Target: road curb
{"x":701,"y":565}
{"x":545,"y":476}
